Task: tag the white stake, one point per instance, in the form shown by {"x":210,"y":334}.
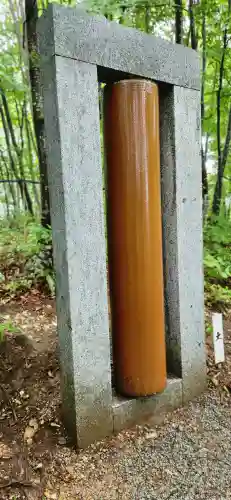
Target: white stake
{"x":218,"y":338}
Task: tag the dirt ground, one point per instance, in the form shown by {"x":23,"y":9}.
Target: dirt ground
{"x":188,"y":457}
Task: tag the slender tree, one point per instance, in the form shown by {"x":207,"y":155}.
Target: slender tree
{"x":194,"y":39}
{"x":204,"y":149}
{"x":6,"y":175}
{"x":222,"y":154}
{"x":10,"y":155}
{"x":18,"y":151}
{"x":31,"y":12}
{"x":179,"y":21}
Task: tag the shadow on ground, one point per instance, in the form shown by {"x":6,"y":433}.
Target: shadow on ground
{"x":187,"y":458}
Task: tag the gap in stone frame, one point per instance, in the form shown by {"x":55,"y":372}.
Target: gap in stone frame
{"x":164,"y":90}
{"x":117,"y":77}
{"x":107,"y":76}
{"x":101,"y":86}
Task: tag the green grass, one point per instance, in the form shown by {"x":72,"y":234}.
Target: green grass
{"x":25,"y":256}
{"x":26,"y":259}
{"x":217,"y":263}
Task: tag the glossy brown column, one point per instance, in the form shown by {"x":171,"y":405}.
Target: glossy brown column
{"x":132,"y":150}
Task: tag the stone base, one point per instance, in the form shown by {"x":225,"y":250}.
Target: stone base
{"x":128,"y":412}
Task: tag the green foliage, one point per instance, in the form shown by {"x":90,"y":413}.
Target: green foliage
{"x":217,"y":296}
{"x":154,"y":17}
{"x":217,"y":262}
{"x":25,"y":248}
{"x":18,"y":151}
{"x":7,"y":327}
{"x":217,"y":240}
{"x":208,"y":329}
{"x":25,"y":255}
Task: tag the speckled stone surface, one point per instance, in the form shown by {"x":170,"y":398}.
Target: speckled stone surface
{"x":182,"y":236}
{"x":75,"y":182}
{"x":127,"y":412}
{"x":73,"y":33}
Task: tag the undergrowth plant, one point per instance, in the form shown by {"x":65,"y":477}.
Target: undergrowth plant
{"x":7,"y":327}
{"x":217,"y":263}
{"x":26,"y":259}
{"x":25,"y":256}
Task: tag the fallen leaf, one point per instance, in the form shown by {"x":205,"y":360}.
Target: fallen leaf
{"x":70,"y":470}
{"x":39,"y":466}
{"x":30,"y":430}
{"x":29,"y":433}
{"x":62,"y":440}
{"x":33,"y":423}
{"x":151,"y":435}
{"x":5,"y":451}
{"x":17,"y":402}
{"x":215,"y":381}
{"x":36,"y":480}
{"x":49,"y":495}
{"x":53,"y":424}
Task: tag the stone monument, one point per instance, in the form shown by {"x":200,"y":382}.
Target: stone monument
{"x":78,"y":51}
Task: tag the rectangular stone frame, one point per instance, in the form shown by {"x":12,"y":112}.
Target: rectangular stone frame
{"x":76,"y":51}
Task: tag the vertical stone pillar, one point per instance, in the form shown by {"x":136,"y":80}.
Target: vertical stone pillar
{"x":182,"y":236}
{"x":75,"y":183}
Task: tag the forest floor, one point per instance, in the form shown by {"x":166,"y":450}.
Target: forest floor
{"x":187,"y":457}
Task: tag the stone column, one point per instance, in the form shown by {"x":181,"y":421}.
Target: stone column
{"x":182,"y":236}
{"x":76,"y":191}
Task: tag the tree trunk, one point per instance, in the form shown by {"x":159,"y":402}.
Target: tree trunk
{"x":5,"y":193}
{"x":146,"y":18}
{"x":221,"y":156}
{"x":194,"y":45}
{"x":31,"y":10}
{"x":31,"y":163}
{"x":6,"y":174}
{"x":17,"y":151}
{"x":178,"y":21}
{"x":11,"y":158}
{"x":204,"y":150}
{"x":221,"y":169}
{"x":194,"y":41}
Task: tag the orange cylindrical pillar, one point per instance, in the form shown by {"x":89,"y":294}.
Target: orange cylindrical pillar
{"x":132,"y":152}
